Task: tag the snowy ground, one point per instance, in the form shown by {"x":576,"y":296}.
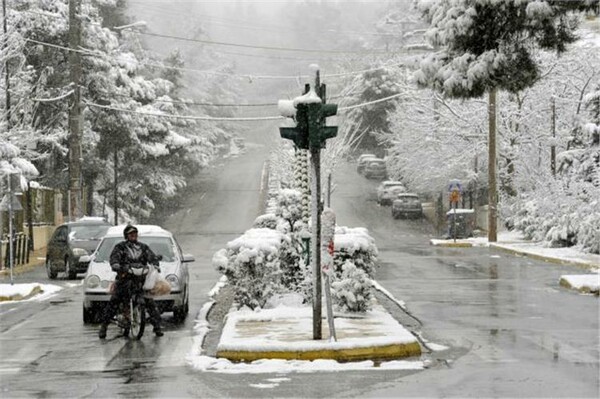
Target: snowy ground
{"x":514,"y":241}
{"x":27,"y":292}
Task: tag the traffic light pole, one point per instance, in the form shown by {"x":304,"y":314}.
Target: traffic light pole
{"x":315,"y":161}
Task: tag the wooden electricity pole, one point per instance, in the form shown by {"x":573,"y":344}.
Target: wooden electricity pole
{"x":6,"y":73}
{"x":492,"y":190}
{"x":75,"y":117}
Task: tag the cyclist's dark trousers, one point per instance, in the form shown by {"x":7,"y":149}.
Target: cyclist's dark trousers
{"x":121,"y":295}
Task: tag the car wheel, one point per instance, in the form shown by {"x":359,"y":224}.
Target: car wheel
{"x":51,"y":273}
{"x":180,"y":313}
{"x":89,"y":315}
{"x":70,"y":273}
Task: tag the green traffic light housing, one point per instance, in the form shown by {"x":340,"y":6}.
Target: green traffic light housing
{"x":310,"y":130}
{"x":298,"y":134}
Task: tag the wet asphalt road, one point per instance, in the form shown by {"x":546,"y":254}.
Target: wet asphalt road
{"x":512,"y":331}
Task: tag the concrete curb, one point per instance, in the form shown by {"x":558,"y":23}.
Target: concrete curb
{"x":550,"y":259}
{"x":387,"y":352}
{"x":453,"y":244}
{"x":514,"y":251}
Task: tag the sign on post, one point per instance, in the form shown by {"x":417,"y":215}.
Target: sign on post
{"x":454,"y":195}
{"x":327,"y":248}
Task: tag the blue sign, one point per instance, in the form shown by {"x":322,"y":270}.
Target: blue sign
{"x":455,"y":185}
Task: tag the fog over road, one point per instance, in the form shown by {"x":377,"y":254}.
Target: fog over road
{"x":511,"y":330}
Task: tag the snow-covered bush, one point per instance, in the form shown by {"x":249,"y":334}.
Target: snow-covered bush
{"x":351,"y":292}
{"x":354,"y":260}
{"x":266,"y":221}
{"x":252,"y":266}
{"x":357,"y":245}
{"x":289,"y":208}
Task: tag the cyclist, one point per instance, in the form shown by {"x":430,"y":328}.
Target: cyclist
{"x":123,"y":255}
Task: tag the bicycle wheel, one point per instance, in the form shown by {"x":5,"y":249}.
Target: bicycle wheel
{"x":138,"y":318}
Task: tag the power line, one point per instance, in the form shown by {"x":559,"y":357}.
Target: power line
{"x":188,"y":117}
{"x":229,"y":119}
{"x":211,"y":42}
{"x":212,"y":72}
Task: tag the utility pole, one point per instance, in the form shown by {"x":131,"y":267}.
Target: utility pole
{"x":6,"y":73}
{"x":492,"y":194}
{"x":75,"y":117}
{"x":116,"y":186}
{"x":553,"y":146}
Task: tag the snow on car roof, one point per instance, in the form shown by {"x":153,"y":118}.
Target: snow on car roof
{"x":391,"y":183}
{"x":143,"y":230}
{"x":451,"y":211}
{"x":89,"y":220}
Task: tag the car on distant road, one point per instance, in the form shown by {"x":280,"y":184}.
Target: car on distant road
{"x":390,"y":194}
{"x":71,"y":241}
{"x":375,"y":169}
{"x":407,"y":205}
{"x":384,"y":187}
{"x":362,"y":162}
{"x":173,"y":267}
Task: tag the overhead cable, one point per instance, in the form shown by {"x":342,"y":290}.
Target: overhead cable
{"x":211,"y":42}
{"x":230,"y":119}
{"x":212,"y":72}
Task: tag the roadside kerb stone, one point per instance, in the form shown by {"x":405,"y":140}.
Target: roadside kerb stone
{"x":550,"y":259}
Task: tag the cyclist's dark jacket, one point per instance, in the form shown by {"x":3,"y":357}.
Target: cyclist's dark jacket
{"x":122,"y":255}
{"x":126,"y":253}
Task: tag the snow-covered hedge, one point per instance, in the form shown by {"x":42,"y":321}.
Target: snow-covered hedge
{"x":252,"y":266}
{"x":560,"y":217}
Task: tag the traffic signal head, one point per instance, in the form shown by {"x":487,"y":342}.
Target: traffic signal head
{"x":322,"y":132}
{"x":298,"y":134}
{"x":327,"y":110}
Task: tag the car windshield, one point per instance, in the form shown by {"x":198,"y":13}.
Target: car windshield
{"x":159,"y":245}
{"x":88,"y":232}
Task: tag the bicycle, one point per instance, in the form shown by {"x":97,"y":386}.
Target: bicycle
{"x":131,"y":317}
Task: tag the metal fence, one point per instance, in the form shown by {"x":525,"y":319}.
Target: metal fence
{"x":20,"y":250}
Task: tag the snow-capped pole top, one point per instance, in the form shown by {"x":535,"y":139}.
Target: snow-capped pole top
{"x":309,"y":98}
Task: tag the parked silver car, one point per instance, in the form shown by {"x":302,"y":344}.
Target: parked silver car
{"x":173,"y":266}
{"x":407,"y":205}
{"x":375,"y":169}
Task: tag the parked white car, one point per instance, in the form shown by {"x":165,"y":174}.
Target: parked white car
{"x":173,"y":266}
{"x":388,"y":191}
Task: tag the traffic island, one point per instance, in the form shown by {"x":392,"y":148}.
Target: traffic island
{"x":286,"y":333}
